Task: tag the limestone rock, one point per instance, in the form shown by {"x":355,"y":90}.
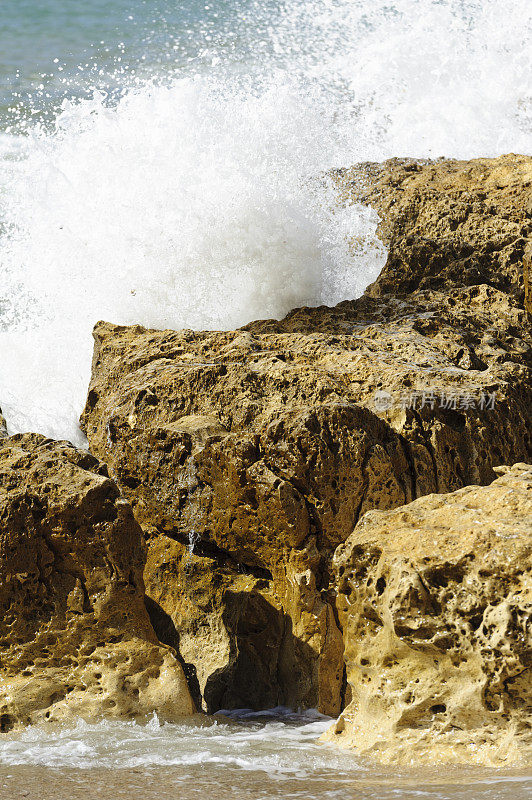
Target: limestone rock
{"x":435,"y":601}
{"x":75,"y":636}
{"x":260,"y":449}
{"x":250,"y":455}
{"x":448,"y":222}
{"x":527,"y":277}
{"x":246,"y":647}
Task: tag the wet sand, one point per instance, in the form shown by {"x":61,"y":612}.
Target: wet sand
{"x":223,"y":782}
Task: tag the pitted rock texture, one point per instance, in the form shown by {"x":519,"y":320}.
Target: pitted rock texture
{"x":75,"y":636}
{"x":449,"y":223}
{"x":435,"y":602}
{"x":260,"y":449}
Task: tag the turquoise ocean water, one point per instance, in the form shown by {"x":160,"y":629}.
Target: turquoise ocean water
{"x":52,"y":49}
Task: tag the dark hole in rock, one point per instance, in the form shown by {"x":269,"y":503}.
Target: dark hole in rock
{"x":6,"y":722}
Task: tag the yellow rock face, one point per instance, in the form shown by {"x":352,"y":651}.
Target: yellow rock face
{"x":75,"y":637}
{"x":435,"y":601}
{"x":448,"y":223}
{"x":250,"y":455}
{"x":258,"y":453}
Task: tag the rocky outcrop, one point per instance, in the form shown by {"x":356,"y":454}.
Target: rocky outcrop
{"x":75,"y":637}
{"x":247,"y":650}
{"x":249,"y":456}
{"x":448,"y":223}
{"x":435,"y":602}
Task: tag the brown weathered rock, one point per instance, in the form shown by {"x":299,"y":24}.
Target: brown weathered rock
{"x":3,"y":426}
{"x":250,"y":455}
{"x":448,"y":222}
{"x":246,"y":644}
{"x":435,"y":601}
{"x":527,"y":277}
{"x":261,"y":448}
{"x":75,"y":637}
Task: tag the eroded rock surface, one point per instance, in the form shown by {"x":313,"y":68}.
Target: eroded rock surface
{"x":250,"y":455}
{"x":75,"y":637}
{"x":247,"y":651}
{"x":260,"y":449}
{"x":449,"y":223}
{"x":435,"y":601}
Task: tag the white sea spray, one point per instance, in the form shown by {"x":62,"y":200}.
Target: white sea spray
{"x":196,"y":198}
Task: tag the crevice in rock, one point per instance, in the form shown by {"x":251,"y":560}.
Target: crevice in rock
{"x":407,"y":450}
{"x":365,"y":485}
{"x":167,"y":634}
{"x":430,"y":448}
{"x":208,"y":549}
{"x":343,"y":682}
{"x":7,"y":722}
